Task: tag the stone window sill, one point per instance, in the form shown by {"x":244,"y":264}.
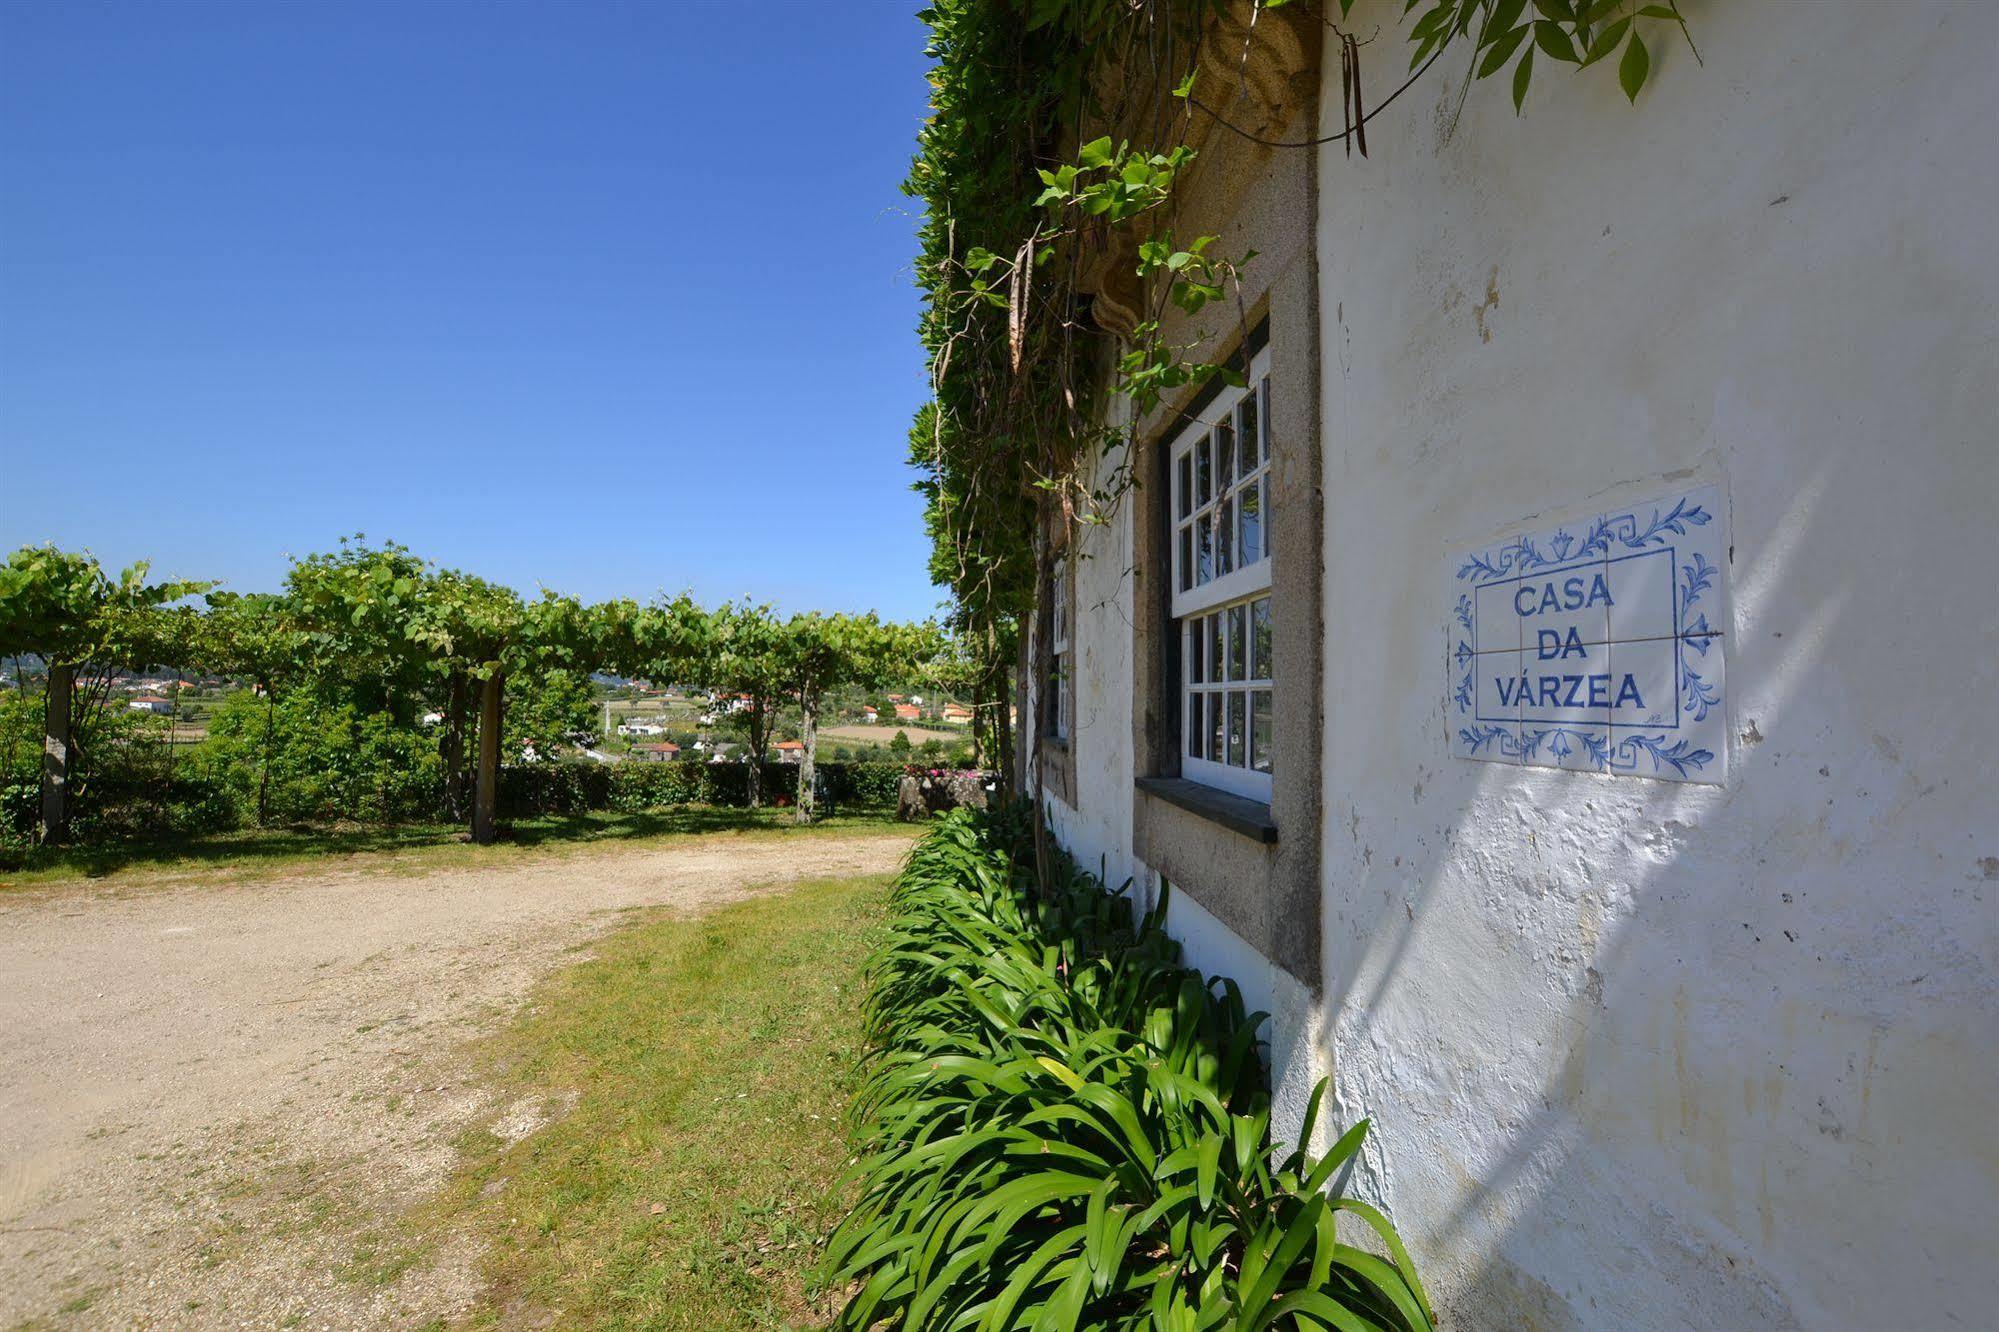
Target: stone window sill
{"x":1239,"y":814}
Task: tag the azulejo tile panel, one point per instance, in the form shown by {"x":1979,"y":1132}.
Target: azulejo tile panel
{"x":1596,"y":645}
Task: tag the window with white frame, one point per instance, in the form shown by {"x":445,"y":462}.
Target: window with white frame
{"x":1221,"y":491}
{"x":1058,"y":643}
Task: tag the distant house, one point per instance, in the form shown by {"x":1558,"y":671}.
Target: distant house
{"x":870,"y":715}
{"x":957,"y":714}
{"x":663,"y":751}
{"x":150,"y":703}
{"x":789,"y":751}
{"x":642,"y":726}
{"x":908,"y":712}
{"x":897,"y":698}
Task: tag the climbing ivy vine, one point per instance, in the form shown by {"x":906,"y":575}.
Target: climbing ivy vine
{"x":1016,"y":203}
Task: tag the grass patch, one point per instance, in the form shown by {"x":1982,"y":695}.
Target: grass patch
{"x":710,"y":1062}
{"x":415,"y":847}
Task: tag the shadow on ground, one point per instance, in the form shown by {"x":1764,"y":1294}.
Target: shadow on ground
{"x":260,"y":847}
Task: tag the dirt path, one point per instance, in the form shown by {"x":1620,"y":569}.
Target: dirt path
{"x":214,"y":1098}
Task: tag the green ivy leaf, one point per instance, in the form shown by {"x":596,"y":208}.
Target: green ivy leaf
{"x":1186,"y":85}
{"x":1096,"y":152}
{"x":1502,"y":51}
{"x":1606,"y":41}
{"x":1631,"y":70}
{"x":1550,"y":38}
{"x":1504,"y":15}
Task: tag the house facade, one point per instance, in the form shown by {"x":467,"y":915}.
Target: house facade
{"x":1560,"y":688}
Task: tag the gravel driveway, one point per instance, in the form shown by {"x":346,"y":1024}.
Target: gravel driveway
{"x":216,"y":1097}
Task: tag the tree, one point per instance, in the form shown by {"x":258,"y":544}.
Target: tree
{"x":824,"y":653}
{"x":749,"y":656}
{"x":256,"y":637}
{"x":60,"y":606}
{"x":363,"y":610}
{"x":899,"y":746}
{"x":474,"y":629}
{"x":665,"y":641}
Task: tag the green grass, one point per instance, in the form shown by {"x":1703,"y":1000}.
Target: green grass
{"x":414,"y":847}
{"x":711,"y":1061}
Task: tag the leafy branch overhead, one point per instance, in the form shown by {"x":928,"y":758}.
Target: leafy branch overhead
{"x":1013,"y":219}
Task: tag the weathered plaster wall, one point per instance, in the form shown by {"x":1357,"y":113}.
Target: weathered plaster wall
{"x":1643,"y":1055}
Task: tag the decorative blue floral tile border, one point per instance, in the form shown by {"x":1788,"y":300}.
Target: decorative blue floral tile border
{"x":1597,"y":645}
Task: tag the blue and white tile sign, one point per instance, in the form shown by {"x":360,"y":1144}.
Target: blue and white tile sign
{"x":1596,"y":645}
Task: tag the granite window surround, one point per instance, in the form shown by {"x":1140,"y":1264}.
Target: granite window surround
{"x":1253,"y":864}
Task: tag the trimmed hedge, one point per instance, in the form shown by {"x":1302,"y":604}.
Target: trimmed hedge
{"x":1063,"y":1127}
{"x":570,"y":788}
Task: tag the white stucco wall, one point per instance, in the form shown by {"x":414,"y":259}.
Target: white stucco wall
{"x":1639,"y":1054}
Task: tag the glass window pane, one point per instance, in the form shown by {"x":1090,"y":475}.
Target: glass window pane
{"x":1197,"y":637}
{"x":1259,"y":639}
{"x":1225,"y":537}
{"x":1195,"y":730}
{"x":1186,"y":558}
{"x":1269,"y":527}
{"x":1183,"y":497}
{"x":1203,"y":473}
{"x":1204,"y":548}
{"x":1263,"y":410}
{"x":1224,"y":456}
{"x":1238,"y":642}
{"x":1214,"y":648}
{"x":1237,"y":730}
{"x":1216,"y":739}
{"x":1252,"y":523}
{"x":1246,"y":436}
{"x":1259,"y":730}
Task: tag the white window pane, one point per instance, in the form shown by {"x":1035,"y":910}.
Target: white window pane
{"x":1246,"y":437}
{"x":1224,"y":456}
{"x":1183,"y":497}
{"x":1204,"y":549}
{"x":1259,"y":730}
{"x":1214,"y":647}
{"x":1225,"y":537}
{"x":1252,"y":523}
{"x":1259,"y":639}
{"x":1237,"y":729}
{"x":1238,"y":642}
{"x":1203,"y":473}
{"x":1196,"y":639}
{"x":1195,"y":731}
{"x":1186,"y":558}
{"x":1263,"y":410}
{"x":1217,"y":740}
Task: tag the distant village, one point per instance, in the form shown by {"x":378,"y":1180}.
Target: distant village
{"x":635,"y":721}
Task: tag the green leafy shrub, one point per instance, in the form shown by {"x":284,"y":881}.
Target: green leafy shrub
{"x":863,"y":783}
{"x":316,"y":760}
{"x":1065,"y":1128}
{"x":632,"y":788}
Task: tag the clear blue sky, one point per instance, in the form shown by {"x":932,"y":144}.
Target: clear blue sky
{"x":609,"y":298}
